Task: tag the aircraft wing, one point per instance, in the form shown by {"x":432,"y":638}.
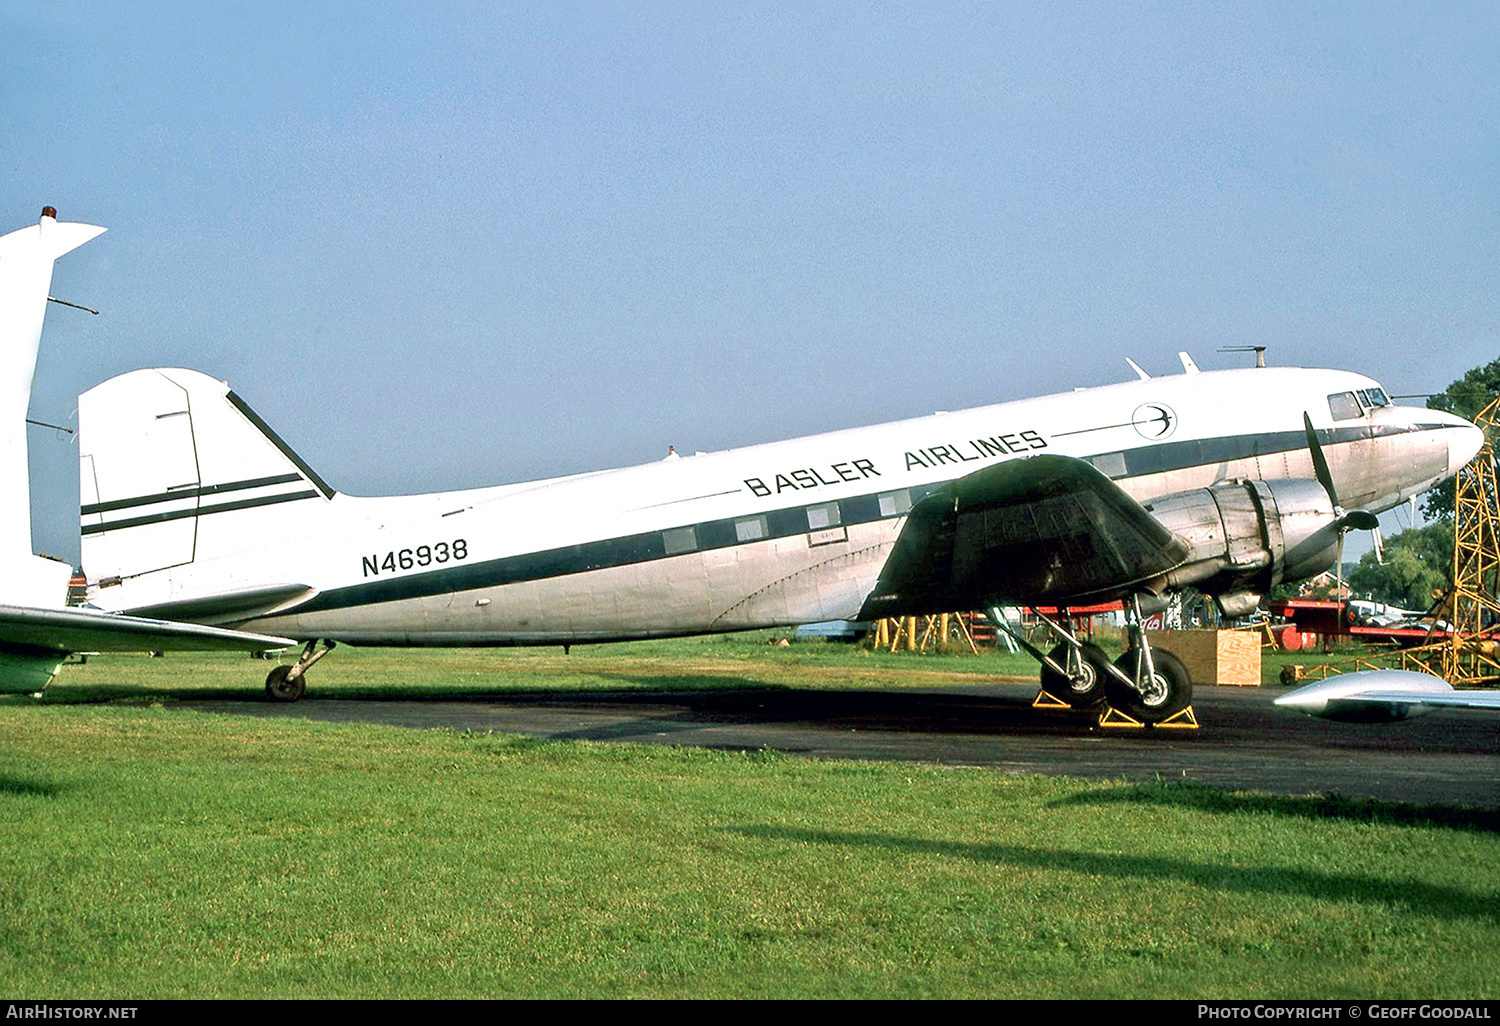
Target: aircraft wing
{"x":86,"y":630}
{"x":1455,"y":699}
{"x":1383,"y":696}
{"x":1041,"y":531}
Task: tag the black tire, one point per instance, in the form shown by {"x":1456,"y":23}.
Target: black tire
{"x":1088,"y":690}
{"x":1170,"y":693}
{"x":280,"y":689}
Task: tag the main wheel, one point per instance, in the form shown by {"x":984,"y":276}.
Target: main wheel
{"x":1084,"y":690}
{"x":280,"y":688}
{"x":1167,"y":693}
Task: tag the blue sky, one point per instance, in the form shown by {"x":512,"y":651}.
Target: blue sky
{"x":448,"y":244}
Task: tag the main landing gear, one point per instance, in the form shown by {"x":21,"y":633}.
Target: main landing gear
{"x":1145,"y":687}
{"x":288,"y":683}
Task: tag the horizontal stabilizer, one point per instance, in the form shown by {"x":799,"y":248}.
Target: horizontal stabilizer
{"x":34,"y":642}
{"x":88,"y":630}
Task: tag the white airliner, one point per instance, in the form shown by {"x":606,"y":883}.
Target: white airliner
{"x":1228,"y":481}
{"x":36,"y":632}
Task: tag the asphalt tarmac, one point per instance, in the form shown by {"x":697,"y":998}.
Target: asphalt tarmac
{"x":1448,"y":757}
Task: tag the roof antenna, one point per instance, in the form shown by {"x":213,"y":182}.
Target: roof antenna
{"x":75,"y":306}
{"x":1259,"y":351}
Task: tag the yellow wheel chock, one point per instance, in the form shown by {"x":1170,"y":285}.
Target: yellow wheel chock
{"x":1112,"y":717}
{"x":1046,"y":700}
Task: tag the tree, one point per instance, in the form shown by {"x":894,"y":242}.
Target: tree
{"x":1465,"y":397}
{"x":1418,"y":562}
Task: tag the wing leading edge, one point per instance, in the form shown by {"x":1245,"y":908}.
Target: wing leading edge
{"x":1041,"y":531}
{"x":1383,"y":696}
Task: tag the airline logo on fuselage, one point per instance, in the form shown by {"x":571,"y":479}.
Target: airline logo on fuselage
{"x":1153,"y":420}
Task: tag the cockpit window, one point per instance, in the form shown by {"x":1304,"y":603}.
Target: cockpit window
{"x":1344,"y":406}
{"x":1378,"y":397}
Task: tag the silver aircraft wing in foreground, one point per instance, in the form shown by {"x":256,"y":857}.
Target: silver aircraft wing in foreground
{"x":1383,"y":696}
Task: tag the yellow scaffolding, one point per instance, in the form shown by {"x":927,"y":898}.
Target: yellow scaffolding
{"x":900,"y":632}
{"x":1468,"y":655}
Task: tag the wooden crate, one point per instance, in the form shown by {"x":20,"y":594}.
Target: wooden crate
{"x":1214,"y":657}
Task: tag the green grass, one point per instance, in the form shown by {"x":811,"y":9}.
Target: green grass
{"x":713,"y":663}
{"x":685,"y":664}
{"x":156,"y":852}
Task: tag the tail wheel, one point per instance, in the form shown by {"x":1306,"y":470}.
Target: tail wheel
{"x":1167,"y":693}
{"x":1084,"y":690}
{"x":282,"y":687}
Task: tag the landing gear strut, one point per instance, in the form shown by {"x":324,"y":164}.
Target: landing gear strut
{"x":1085,"y":668}
{"x":1144,"y":687}
{"x":1162,"y":692}
{"x":1073,"y":673}
{"x":288,"y":683}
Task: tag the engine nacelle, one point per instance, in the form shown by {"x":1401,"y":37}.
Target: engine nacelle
{"x":1246,"y":537}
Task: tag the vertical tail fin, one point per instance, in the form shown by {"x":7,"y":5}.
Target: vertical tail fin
{"x":26,"y":258}
{"x":175,"y":469}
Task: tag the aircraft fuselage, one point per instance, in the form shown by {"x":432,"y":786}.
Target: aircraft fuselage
{"x":777,"y":534}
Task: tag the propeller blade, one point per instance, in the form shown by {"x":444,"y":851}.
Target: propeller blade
{"x":1320,"y":462}
{"x":1379,"y":546}
{"x":1348,"y":520}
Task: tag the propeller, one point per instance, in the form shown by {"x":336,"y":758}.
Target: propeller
{"x":1344,"y":520}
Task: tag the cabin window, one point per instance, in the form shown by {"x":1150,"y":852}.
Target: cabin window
{"x":894,"y":504}
{"x":750,"y":529}
{"x":823,"y":515}
{"x":1344,"y":406}
{"x":679,"y":540}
